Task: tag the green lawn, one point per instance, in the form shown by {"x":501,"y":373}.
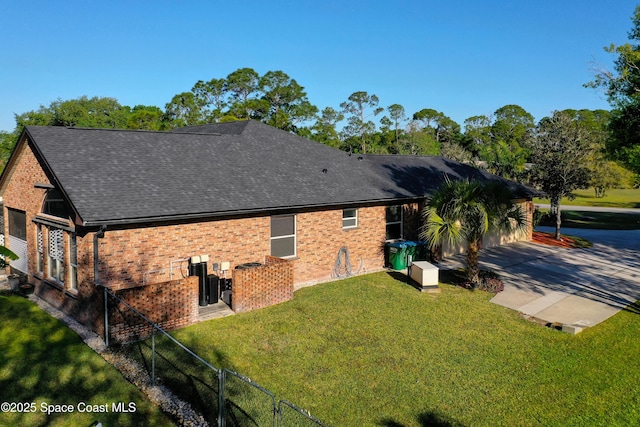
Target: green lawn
{"x":372,"y":350}
{"x":614,"y":198}
{"x":595,"y":220}
{"x":44,"y":362}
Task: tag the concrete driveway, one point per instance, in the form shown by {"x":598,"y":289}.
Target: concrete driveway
{"x":575,"y":288}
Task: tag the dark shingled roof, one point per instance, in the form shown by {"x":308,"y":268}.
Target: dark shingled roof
{"x":125,"y":176}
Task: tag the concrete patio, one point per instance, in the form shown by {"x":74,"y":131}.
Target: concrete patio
{"x":572,"y":288}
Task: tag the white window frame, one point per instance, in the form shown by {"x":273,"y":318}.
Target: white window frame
{"x":40,"y":249}
{"x":287,"y":236}
{"x":387,"y":224}
{"x":349,"y":221}
{"x":73,"y":262}
{"x":56,"y":267}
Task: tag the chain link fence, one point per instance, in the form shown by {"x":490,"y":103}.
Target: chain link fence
{"x":223,"y":397}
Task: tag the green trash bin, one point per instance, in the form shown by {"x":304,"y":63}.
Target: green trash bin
{"x":398,"y":255}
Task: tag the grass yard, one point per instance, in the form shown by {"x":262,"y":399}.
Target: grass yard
{"x":595,"y":220}
{"x":614,"y":198}
{"x":42,"y":361}
{"x":373,"y":351}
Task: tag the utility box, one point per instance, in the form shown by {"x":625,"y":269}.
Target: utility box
{"x":426,"y":275}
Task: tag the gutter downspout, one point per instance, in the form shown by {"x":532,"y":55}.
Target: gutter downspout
{"x":96,"y":280}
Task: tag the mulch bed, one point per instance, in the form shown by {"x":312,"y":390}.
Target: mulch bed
{"x":549,"y":239}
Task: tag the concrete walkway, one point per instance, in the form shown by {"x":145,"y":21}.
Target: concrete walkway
{"x":575,"y":288}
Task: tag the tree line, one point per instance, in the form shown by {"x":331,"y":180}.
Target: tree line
{"x":504,"y":142}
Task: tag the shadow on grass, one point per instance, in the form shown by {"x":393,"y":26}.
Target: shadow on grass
{"x":427,"y":419}
{"x":596,"y":220}
{"x":37,"y":362}
{"x":403,"y":278}
{"x":197,"y":382}
{"x":453,"y":277}
{"x":448,"y":277}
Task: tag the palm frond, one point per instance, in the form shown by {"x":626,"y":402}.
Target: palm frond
{"x":468,"y":210}
{"x":7,"y":253}
{"x":438,"y":229}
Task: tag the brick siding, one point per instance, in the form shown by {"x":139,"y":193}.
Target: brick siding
{"x":262,"y":286}
{"x":129,"y":257}
{"x":20,"y":194}
{"x":170,"y":305}
{"x":144,"y":255}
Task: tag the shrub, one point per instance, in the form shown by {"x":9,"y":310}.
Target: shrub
{"x":490,"y":282}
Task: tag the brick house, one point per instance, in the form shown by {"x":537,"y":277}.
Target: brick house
{"x":128,"y":209}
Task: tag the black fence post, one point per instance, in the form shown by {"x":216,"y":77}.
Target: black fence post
{"x":106,"y":316}
{"x":222,"y":422}
{"x":153,"y":356}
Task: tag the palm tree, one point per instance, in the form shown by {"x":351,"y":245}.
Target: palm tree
{"x":465,"y":211}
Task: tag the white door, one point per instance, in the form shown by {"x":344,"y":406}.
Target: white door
{"x":18,"y":239}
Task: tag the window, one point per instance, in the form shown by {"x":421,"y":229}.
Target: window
{"x":349,"y":218}
{"x":39,"y":249}
{"x":55,"y":205}
{"x":73,"y":263}
{"x":283,"y":236}
{"x":17,"y":224}
{"x":394,"y":222}
{"x":56,"y":254}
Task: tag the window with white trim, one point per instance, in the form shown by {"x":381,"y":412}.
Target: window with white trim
{"x":349,"y":218}
{"x":283,"y":236}
{"x":56,"y":255}
{"x":73,"y":262}
{"x":394,"y":222}
{"x":56,"y":243}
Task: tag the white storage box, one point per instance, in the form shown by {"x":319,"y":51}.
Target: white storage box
{"x":425,"y":274}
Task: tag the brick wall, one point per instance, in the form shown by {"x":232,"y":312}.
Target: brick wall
{"x":19,"y":192}
{"x":320,"y":236}
{"x":144,"y":255}
{"x":130,"y":257}
{"x":170,"y":305}
{"x":259,"y":287}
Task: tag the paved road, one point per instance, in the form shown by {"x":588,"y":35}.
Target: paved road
{"x":580,"y":287}
{"x":592,"y":208}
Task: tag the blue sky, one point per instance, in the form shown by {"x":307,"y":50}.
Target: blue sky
{"x":461,"y":57}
